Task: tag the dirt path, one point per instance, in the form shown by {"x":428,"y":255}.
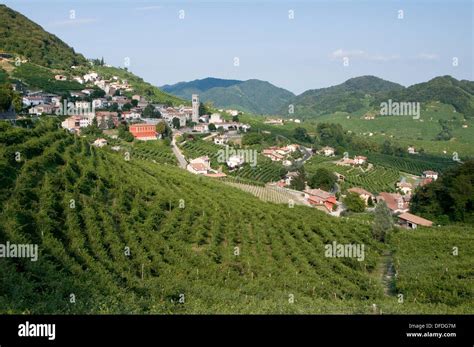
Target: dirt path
{"x":386,"y":272}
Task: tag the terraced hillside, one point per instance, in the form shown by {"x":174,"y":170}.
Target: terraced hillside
{"x":376,"y":179}
{"x":264,"y":171}
{"x":135,"y":236}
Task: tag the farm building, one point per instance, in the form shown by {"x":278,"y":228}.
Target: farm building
{"x":320,"y":197}
{"x":412,"y":221}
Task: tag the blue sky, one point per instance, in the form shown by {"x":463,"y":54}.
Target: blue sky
{"x":302,"y":53}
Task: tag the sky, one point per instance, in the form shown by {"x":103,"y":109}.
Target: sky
{"x":296,"y":45}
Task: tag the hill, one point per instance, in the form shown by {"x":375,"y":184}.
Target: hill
{"x":445,"y":89}
{"x":23,"y":37}
{"x":48,"y":56}
{"x":254,"y":96}
{"x":140,"y":237}
{"x":141,"y":87}
{"x":349,"y":96}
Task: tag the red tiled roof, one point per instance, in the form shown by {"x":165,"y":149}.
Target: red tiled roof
{"x":415,"y":219}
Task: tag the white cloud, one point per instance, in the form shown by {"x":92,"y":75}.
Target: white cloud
{"x":73,"y":22}
{"x":340,"y":53}
{"x":427,"y":56}
{"x":148,"y":8}
{"x":360,"y":54}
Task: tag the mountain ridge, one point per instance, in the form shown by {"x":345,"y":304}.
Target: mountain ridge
{"x":252,"y":95}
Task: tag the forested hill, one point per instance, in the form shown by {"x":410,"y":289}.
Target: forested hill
{"x":445,"y":89}
{"x":20,"y":35}
{"x":254,"y":96}
{"x":367,"y":92}
{"x":349,"y":96}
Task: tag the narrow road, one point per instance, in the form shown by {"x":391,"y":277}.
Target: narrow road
{"x":177,"y":153}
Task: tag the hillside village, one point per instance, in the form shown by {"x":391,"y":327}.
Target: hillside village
{"x":105,"y":104}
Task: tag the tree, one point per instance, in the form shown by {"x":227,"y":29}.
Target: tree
{"x":6,"y":97}
{"x":354,"y":202}
{"x":370,"y":202}
{"x":161,"y":128}
{"x":204,"y":109}
{"x":212,"y":127}
{"x":124,"y":134}
{"x":235,"y":118}
{"x":127,"y":107}
{"x":301,"y":134}
{"x":114,"y":107}
{"x":176,"y":123}
{"x":383,"y":222}
{"x":150,"y":112}
{"x":298,"y":183}
{"x":134,"y":102}
{"x":322,"y":178}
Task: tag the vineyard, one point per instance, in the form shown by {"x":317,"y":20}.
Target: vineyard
{"x":377,"y":179}
{"x":271,"y":194}
{"x":156,"y":151}
{"x":130,"y":236}
{"x":265,"y":170}
{"x":429,"y":269}
{"x":198,"y":148}
{"x":413,"y":165}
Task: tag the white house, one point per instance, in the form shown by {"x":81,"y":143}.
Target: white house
{"x":431,"y":174}
{"x":327,"y":151}
{"x":359,"y":160}
{"x":199,"y":166}
{"x":201,"y":128}
{"x":215,"y":118}
{"x":40,"y":109}
{"x":234,"y":161}
{"x":405,"y":187}
{"x":90,"y":76}
{"x":100,"y":142}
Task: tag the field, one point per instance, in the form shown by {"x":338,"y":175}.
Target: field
{"x":155,"y":151}
{"x":414,"y":164}
{"x":409,"y":132}
{"x":428,"y":269}
{"x":265,"y":170}
{"x":136,"y":237}
{"x":270,"y":193}
{"x":375,"y":180}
